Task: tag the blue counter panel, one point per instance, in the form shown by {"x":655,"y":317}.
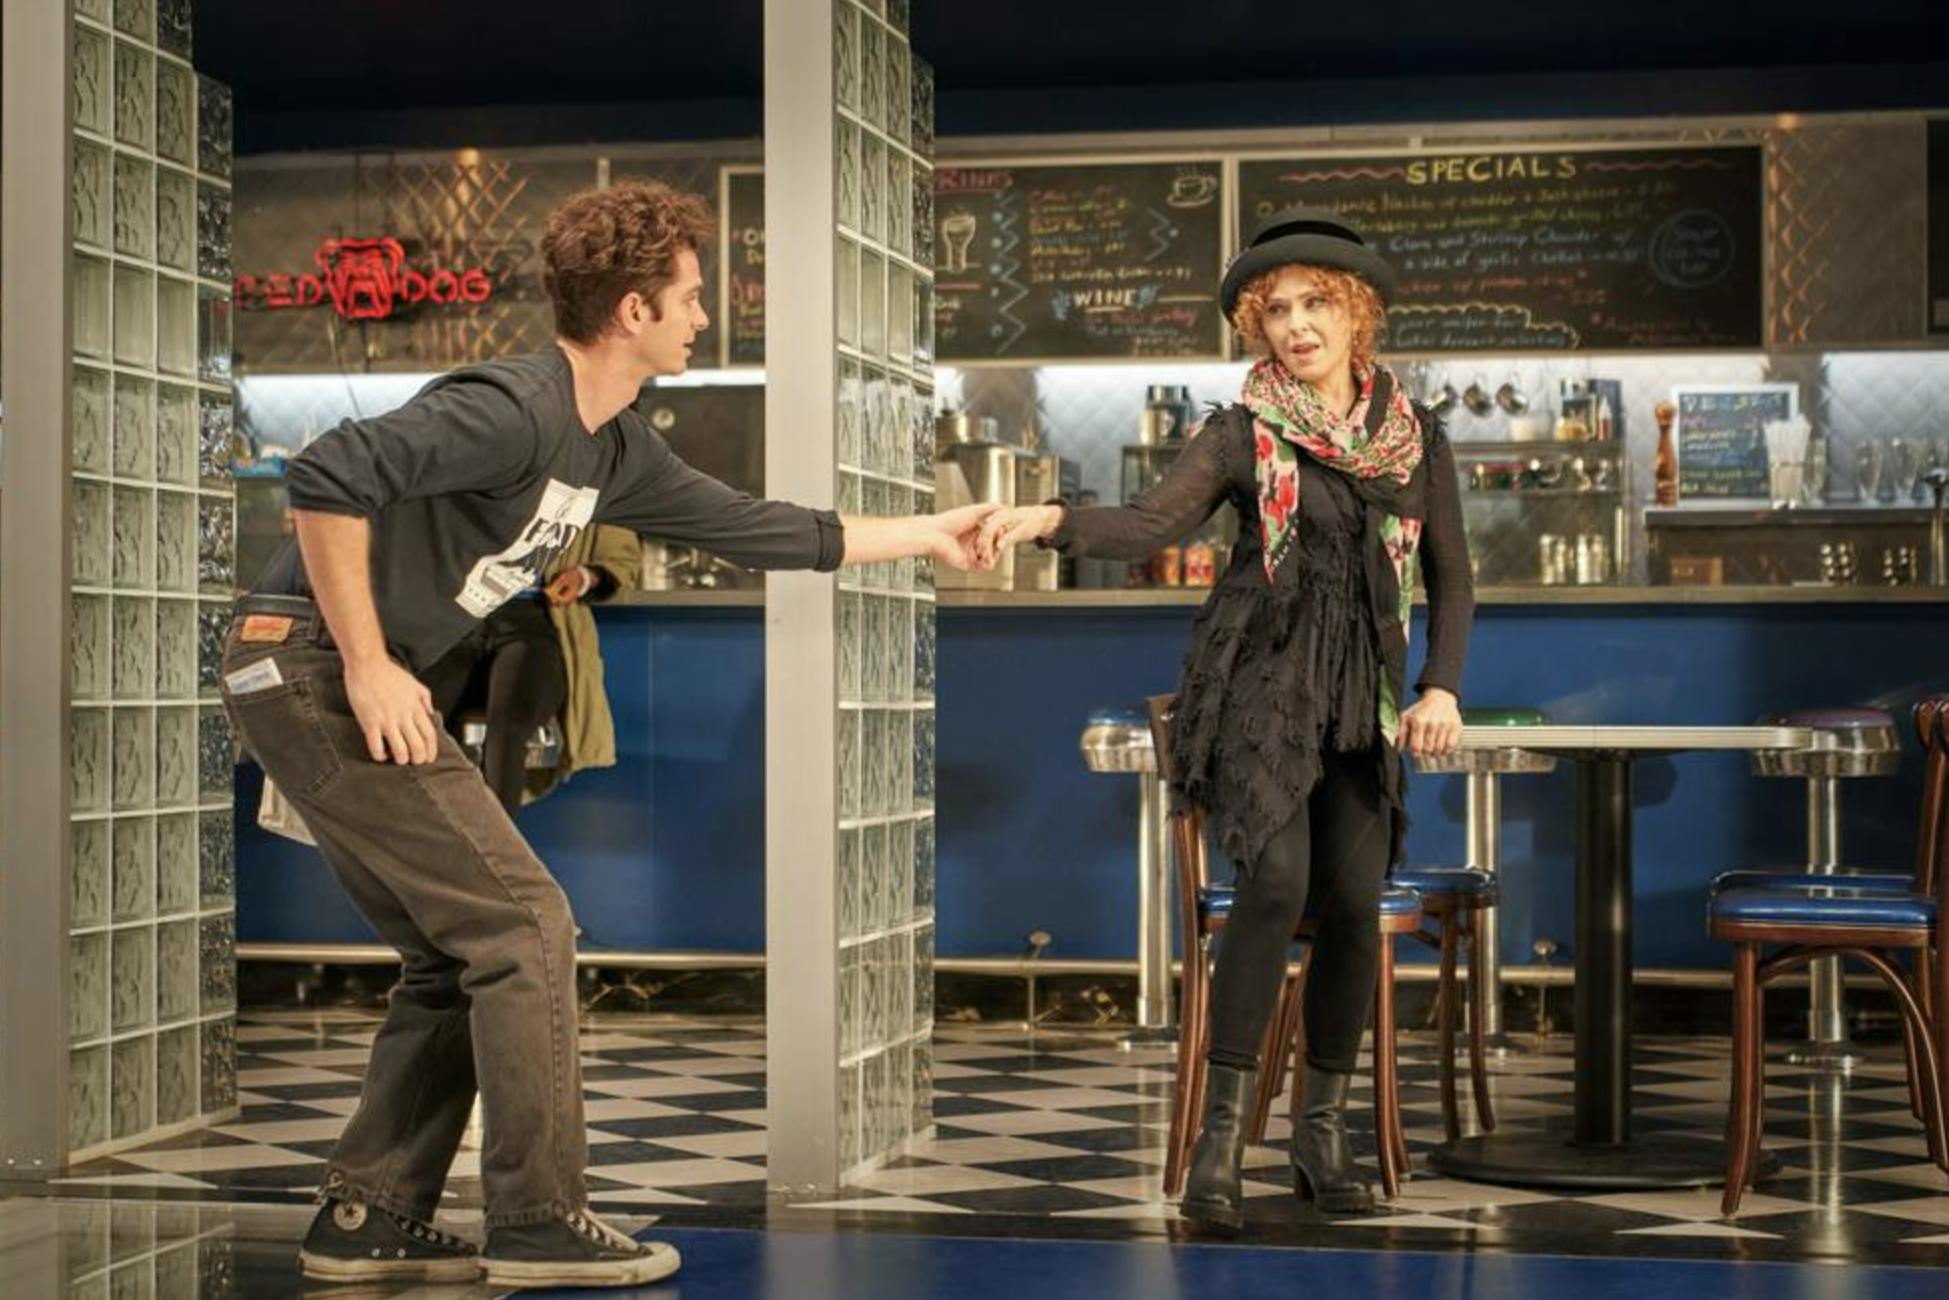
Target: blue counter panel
{"x":666,"y":850}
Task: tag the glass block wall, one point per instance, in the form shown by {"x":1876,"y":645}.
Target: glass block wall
{"x":885,"y":622}
{"x":150,"y":1251}
{"x":152,"y":942}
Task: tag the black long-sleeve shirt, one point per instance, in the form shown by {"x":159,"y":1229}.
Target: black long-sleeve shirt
{"x":1281,"y":670}
{"x":1218,"y":466}
{"x":478,"y":483}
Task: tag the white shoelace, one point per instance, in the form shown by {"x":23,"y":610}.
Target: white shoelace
{"x":601,"y":1233}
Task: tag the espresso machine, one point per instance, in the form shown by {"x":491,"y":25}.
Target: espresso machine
{"x":971,"y":465}
{"x":1160,"y":437}
{"x":1041,"y":478}
{"x":1195,"y":561}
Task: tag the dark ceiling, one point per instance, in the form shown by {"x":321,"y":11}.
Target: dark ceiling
{"x":326,"y":57}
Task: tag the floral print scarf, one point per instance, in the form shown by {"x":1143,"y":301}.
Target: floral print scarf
{"x":1379,"y":439}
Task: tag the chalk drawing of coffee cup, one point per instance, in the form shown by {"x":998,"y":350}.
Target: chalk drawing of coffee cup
{"x":1192,"y":190}
{"x":957,"y":233}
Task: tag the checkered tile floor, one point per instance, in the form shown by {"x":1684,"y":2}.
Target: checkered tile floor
{"x":1061,"y":1133}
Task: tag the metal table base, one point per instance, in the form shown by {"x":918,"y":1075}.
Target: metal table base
{"x":1554,"y":1159}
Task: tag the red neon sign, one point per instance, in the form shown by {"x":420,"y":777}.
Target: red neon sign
{"x":362,"y":279}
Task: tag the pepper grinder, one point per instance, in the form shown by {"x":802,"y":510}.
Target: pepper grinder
{"x":1937,"y":479}
{"x":1665,"y":466}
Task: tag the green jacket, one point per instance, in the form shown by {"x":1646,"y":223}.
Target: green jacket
{"x":588,"y":732}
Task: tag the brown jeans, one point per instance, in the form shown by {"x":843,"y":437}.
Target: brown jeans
{"x":486,"y":996}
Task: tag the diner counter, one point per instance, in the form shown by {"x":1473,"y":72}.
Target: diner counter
{"x":1142,"y":597}
{"x":665,"y":851}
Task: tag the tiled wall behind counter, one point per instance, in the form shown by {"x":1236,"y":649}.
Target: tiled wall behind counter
{"x":1089,"y":413}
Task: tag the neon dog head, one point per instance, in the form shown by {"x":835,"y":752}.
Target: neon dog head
{"x":362,"y":275}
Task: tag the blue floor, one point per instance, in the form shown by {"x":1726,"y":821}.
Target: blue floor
{"x":722,"y":1264}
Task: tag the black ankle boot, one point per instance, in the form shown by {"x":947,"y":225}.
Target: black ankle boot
{"x":1214,"y":1198}
{"x":1323,"y":1167}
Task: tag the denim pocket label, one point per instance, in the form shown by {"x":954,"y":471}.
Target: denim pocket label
{"x":265,"y":629}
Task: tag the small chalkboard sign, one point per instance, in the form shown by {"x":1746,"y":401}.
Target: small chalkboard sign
{"x":1074,"y":261}
{"x":743,"y":299}
{"x":1722,"y":437}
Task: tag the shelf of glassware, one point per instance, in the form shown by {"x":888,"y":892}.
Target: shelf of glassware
{"x":1544,"y":514}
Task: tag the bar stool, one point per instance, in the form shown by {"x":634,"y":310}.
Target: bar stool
{"x":1860,"y":742}
{"x":1119,"y":741}
{"x":1805,"y":925}
{"x":1485,"y":769}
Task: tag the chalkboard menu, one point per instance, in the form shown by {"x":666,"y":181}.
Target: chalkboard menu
{"x":1078,"y":260}
{"x":1578,"y":248}
{"x":744,"y":267}
{"x":1939,"y":225}
{"x":1722,"y":437}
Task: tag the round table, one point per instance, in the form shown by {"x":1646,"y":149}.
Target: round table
{"x":1599,"y":1151}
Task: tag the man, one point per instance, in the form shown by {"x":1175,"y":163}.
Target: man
{"x":409,"y":529}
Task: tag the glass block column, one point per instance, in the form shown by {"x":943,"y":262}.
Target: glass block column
{"x":152,"y":571}
{"x":149,"y":997}
{"x":849,"y":373}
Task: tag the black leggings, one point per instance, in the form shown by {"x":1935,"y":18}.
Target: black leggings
{"x":512,"y":666}
{"x":1336,"y":845}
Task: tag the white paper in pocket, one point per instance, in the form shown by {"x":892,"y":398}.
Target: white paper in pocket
{"x":260,"y":676}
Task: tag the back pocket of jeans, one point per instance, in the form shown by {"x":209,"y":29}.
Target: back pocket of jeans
{"x":281,"y":729}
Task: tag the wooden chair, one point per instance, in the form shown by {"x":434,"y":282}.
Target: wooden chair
{"x":1927,"y":714}
{"x":1867,"y":924}
{"x":1453,"y":898}
{"x":1203,"y":911}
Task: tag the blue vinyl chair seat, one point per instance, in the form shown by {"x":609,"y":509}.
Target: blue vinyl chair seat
{"x":1881,"y":882}
{"x":1838,"y":908}
{"x":1216,"y":902}
{"x":1441,"y":883}
{"x":1118,"y":716}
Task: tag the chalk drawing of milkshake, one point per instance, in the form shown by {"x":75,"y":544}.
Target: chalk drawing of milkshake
{"x":957,"y":233}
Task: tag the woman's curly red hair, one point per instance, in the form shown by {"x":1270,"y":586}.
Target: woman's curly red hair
{"x":1362,"y":303}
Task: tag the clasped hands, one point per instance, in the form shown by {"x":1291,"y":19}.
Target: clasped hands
{"x":976,"y":537}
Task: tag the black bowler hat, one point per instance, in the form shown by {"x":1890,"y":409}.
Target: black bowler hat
{"x":1314,"y":236}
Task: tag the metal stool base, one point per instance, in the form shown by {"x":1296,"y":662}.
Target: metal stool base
{"x":1144,"y":1040}
{"x":1834,"y":1058}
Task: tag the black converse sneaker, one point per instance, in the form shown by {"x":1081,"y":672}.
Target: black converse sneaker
{"x":575,"y":1250}
{"x":350,"y":1241}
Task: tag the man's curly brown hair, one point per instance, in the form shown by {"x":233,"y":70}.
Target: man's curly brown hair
{"x":1365,"y":315}
{"x":603,"y":244}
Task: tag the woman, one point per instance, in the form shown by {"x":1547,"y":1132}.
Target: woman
{"x":1288,"y":727}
